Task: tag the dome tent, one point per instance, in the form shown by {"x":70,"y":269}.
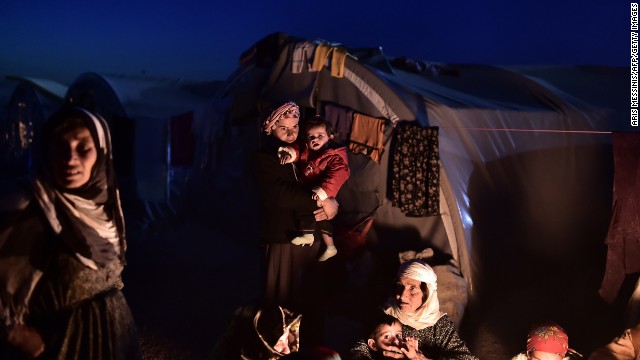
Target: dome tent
{"x":263,"y":80}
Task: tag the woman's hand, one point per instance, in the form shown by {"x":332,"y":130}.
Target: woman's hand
{"x":410,"y":349}
{"x":328,"y":211}
{"x":392,"y":352}
{"x":286,"y":154}
{"x":284,"y":158}
{"x":27,"y":340}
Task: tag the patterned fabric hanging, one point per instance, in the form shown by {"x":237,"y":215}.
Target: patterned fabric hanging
{"x":415,"y":183}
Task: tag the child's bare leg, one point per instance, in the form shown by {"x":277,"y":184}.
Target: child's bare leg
{"x":331,"y":250}
{"x":328,"y":239}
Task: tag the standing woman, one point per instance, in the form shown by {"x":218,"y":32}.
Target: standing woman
{"x":281,"y":198}
{"x":62,"y":243}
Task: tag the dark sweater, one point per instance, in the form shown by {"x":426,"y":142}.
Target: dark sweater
{"x":281,"y":196}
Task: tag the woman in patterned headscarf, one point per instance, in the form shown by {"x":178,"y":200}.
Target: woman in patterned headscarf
{"x":427,"y":333}
{"x":62,"y":243}
{"x":281,"y":197}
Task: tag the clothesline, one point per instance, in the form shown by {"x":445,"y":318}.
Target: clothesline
{"x":532,"y":130}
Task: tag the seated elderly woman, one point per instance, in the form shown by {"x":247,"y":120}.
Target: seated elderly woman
{"x":427,"y":332}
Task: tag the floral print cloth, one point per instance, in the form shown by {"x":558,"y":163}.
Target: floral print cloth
{"x":415,"y":185}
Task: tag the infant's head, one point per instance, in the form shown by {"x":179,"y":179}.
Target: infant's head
{"x":386,"y":331}
{"x":318,"y":132}
{"x":547,"y":341}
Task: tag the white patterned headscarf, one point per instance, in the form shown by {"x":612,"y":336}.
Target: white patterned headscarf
{"x":288,"y":109}
{"x":429,"y":312}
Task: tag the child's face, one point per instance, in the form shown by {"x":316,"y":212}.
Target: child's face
{"x":386,"y":336}
{"x":317,"y":137}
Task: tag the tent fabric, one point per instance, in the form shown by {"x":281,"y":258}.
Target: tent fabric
{"x":208,"y":128}
{"x":31,"y":103}
{"x":181,"y":140}
{"x":6,"y":89}
{"x":49,"y":88}
{"x":360,"y":88}
{"x":502,"y":128}
{"x":143,"y":96}
{"x":341,"y":119}
{"x":594,"y":87}
{"x":623,"y":238}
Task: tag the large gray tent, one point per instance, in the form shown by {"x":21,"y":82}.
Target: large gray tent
{"x":520,"y":148}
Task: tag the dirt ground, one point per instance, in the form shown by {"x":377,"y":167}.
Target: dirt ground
{"x":187,"y":274}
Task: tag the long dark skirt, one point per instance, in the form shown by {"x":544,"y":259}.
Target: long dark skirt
{"x":288,"y":267}
{"x":295,"y":280}
{"x":100,"y":328}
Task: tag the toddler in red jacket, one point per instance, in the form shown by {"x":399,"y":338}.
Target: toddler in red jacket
{"x":324,"y":168}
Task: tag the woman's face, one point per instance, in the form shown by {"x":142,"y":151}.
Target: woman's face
{"x":409,"y":295}
{"x":72,"y":155}
{"x":286,"y":130}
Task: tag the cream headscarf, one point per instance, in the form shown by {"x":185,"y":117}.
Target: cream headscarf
{"x":429,"y":312}
{"x":89,"y":219}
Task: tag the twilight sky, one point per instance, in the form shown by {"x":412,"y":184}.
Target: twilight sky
{"x":202,"y":39}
